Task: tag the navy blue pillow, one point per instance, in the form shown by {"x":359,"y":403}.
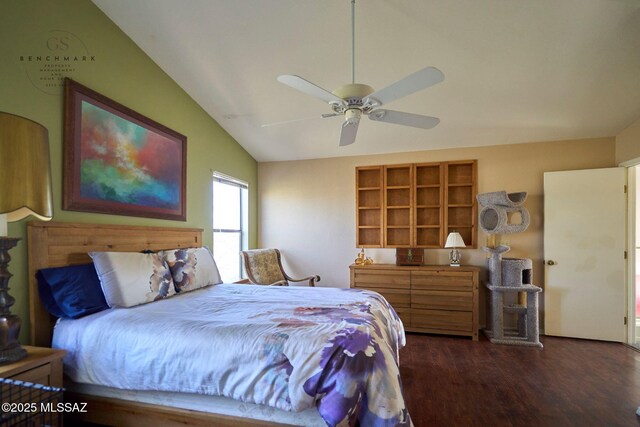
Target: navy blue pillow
{"x":75,"y":290}
{"x":46,"y":297}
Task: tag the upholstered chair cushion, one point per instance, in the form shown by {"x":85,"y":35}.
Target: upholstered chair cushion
{"x":263,"y":264}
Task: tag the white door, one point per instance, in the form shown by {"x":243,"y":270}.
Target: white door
{"x":584,"y":244}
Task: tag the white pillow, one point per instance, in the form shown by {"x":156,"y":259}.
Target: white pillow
{"x":132,"y":278}
{"x":192,"y":268}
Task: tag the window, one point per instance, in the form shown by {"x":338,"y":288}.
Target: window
{"x":230,"y":225}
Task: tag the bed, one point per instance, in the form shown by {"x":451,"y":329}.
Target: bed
{"x":324,"y":366}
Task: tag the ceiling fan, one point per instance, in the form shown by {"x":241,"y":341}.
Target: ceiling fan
{"x":354,"y":99}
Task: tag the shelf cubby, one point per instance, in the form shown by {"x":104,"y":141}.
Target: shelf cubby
{"x":428,"y":237}
{"x":369,"y":237}
{"x":369,"y":217}
{"x":398,"y":237}
{"x":369,"y":178}
{"x":428,"y":216}
{"x":369,"y":199}
{"x":398,"y":217}
{"x":428,"y":196}
{"x":461,"y":172}
{"x":397,"y":175}
{"x":461,"y":195}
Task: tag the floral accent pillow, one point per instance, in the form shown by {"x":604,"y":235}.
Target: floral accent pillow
{"x":192,"y":268}
{"x":131,"y":278}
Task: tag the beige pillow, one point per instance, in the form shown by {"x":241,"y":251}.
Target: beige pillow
{"x":132,"y":278}
{"x":192,"y":268}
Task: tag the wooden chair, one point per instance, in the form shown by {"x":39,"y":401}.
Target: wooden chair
{"x":264,"y":267}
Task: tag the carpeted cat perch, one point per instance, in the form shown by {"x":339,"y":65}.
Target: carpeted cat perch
{"x":510,"y":278}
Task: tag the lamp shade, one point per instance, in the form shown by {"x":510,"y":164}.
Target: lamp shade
{"x":25,"y":175}
{"x":454,"y":240}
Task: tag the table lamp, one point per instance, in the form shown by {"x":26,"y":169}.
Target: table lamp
{"x":454,"y":240}
{"x":25,"y":189}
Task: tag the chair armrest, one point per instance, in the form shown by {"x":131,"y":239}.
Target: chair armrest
{"x":311,"y":279}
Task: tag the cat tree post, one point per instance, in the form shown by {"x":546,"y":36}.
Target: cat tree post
{"x":495,"y":273}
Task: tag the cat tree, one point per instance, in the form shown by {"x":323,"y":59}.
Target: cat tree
{"x":509,"y":278}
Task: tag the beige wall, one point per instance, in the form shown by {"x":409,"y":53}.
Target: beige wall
{"x":307,"y":208}
{"x":628,"y":143}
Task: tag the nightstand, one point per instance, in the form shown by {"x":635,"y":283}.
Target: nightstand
{"x":41,"y":366}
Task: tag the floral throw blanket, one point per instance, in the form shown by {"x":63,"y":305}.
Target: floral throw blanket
{"x":287,"y":347}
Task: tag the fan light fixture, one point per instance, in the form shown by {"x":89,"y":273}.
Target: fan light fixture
{"x":354,"y":99}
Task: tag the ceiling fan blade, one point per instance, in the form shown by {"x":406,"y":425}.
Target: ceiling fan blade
{"x":349,"y":131}
{"x":309,"y":88}
{"x":405,"y":119}
{"x":284,"y":122}
{"x":412,"y":83}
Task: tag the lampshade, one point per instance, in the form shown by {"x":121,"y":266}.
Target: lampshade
{"x":25,"y":176}
{"x":454,"y":240}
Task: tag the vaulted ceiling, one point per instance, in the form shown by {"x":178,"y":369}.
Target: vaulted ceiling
{"x":515,"y":70}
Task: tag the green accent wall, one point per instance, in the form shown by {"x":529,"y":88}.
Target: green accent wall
{"x":122,"y":72}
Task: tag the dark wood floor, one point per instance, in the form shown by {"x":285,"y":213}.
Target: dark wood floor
{"x":451,"y":381}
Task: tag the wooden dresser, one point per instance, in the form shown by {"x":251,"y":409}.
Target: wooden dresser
{"x":428,"y":298}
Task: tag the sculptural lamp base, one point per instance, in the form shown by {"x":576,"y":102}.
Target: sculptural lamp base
{"x":10,"y":350}
{"x":454,"y":258}
{"x":10,"y":355}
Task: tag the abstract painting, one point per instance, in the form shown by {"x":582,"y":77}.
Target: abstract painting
{"x":120,"y":162}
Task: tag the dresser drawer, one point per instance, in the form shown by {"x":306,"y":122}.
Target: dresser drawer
{"x":398,"y":298}
{"x":405,"y":315}
{"x":442,"y":300}
{"x":375,"y":278}
{"x":456,"y":321}
{"x":442,"y":280}
{"x":38,"y":375}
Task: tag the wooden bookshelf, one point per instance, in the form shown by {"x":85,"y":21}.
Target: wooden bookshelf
{"x":416,"y":205}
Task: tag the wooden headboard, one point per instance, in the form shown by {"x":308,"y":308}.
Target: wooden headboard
{"x":56,"y":244}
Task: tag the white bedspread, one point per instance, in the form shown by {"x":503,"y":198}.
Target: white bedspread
{"x":286,"y":347}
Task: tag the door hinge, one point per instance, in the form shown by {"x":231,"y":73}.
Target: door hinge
{"x":625,"y":320}
{"x":625,"y":189}
{"x":625,"y":254}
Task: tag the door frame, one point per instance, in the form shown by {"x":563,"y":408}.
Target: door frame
{"x":632,"y":192}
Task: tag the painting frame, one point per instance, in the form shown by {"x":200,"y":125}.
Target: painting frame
{"x":86,"y":192}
